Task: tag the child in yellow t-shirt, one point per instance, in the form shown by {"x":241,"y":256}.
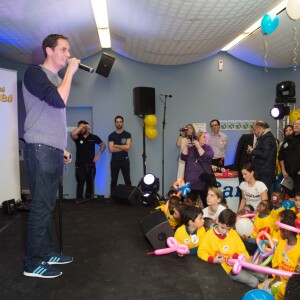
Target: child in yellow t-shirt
{"x":169,"y":209}
{"x":296,"y":209}
{"x":286,"y":257}
{"x":191,"y":232}
{"x":263,"y":221}
{"x":223,"y":242}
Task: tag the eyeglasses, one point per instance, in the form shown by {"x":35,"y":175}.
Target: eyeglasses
{"x":214,"y":125}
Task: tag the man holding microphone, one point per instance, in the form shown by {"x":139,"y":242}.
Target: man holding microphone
{"x":45,"y":97}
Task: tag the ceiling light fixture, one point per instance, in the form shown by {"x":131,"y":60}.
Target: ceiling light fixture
{"x":276,"y":10}
{"x":101,"y":18}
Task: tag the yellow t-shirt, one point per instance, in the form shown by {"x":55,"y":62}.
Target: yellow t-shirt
{"x":260,"y":223}
{"x":286,"y":260}
{"x":212,"y":245}
{"x":172,"y":221}
{"x":191,"y":240}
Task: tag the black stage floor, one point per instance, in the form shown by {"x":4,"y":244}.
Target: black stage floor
{"x":110,"y":260}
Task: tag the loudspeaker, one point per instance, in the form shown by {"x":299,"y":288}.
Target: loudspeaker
{"x":285,"y":92}
{"x":105,"y":64}
{"x":157,"y":229}
{"x":8,"y":207}
{"x":144,"y":100}
{"x":127,"y":194}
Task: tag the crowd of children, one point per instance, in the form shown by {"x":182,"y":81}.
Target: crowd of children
{"x":210,"y":234}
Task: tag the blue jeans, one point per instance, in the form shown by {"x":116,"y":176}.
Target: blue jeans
{"x":45,"y":168}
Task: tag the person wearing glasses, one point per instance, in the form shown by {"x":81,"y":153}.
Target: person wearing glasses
{"x":219,"y":142}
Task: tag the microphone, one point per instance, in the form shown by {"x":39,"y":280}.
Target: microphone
{"x":86,"y":68}
{"x":170,"y":96}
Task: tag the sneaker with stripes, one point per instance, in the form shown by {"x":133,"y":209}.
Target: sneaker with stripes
{"x":42,"y":270}
{"x":58,"y":259}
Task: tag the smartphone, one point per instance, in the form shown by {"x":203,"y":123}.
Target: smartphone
{"x":191,"y":138}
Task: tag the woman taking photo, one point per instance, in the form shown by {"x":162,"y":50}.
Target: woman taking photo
{"x":181,"y":143}
{"x":253,"y":191}
{"x":197,"y":156}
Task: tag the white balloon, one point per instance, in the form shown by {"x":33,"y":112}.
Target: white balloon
{"x":293,"y":9}
{"x":244,"y":226}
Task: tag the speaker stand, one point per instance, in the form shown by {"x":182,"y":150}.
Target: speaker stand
{"x":144,"y":145}
{"x":164,"y":101}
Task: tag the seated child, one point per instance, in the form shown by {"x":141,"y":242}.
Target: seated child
{"x":191,"y":232}
{"x":191,"y":199}
{"x":262,"y":222}
{"x":296,"y":209}
{"x":292,"y":290}
{"x":169,"y":209}
{"x":223,"y":242}
{"x":248,"y":209}
{"x":286,"y":257}
{"x":215,"y":203}
{"x":208,"y":223}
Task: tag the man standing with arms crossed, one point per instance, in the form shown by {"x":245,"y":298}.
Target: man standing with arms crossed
{"x":45,"y":97}
{"x":119,"y":143}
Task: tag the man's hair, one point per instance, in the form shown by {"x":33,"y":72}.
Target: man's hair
{"x":51,"y":41}
{"x":292,"y":290}
{"x":261,"y":124}
{"x":119,"y":117}
{"x":227,"y":217}
{"x":214,"y":120}
{"x":190,"y":213}
{"x":82,"y":122}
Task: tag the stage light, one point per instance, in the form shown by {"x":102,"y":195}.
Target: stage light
{"x":149,"y":184}
{"x":279,"y":111}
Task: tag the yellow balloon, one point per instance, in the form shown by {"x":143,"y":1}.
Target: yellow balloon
{"x":151,"y":132}
{"x":294,"y":115}
{"x":150,"y":120}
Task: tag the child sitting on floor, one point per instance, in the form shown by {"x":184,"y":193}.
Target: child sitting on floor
{"x":221,"y":243}
{"x":192,"y":231}
{"x":286,"y":257}
{"x":262,"y":222}
{"x":296,"y":209}
{"x":208,"y":223}
{"x":248,"y":209}
{"x":169,"y":209}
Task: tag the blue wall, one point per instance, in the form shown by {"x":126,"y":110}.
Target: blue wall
{"x":200,"y":93}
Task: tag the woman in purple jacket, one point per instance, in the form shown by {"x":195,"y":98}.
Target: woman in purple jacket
{"x":197,"y":156}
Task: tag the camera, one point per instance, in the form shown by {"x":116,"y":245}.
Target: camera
{"x":183,"y":129}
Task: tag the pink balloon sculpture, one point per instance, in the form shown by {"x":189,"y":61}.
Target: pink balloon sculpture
{"x":173,"y":246}
{"x":241,"y":262}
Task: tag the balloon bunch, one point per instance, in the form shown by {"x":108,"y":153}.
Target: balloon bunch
{"x":172,"y":247}
{"x":265,"y":249}
{"x":150,"y":131}
{"x":182,"y":187}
